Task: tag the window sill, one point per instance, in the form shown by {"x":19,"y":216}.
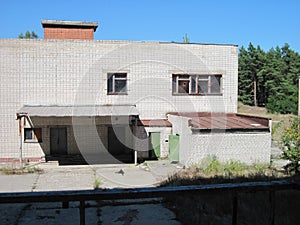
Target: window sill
{"x":174,"y":94}
{"x":117,"y":94}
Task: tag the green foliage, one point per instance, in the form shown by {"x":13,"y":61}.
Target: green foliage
{"x":277,"y":126}
{"x":97,"y":183}
{"x":213,"y":167}
{"x":28,"y":35}
{"x":33,"y":170}
{"x":269,"y":78}
{"x":13,"y":171}
{"x":227,"y":169}
{"x":291,"y":142}
{"x":186,"y":39}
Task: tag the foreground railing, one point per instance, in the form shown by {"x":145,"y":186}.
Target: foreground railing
{"x":112,"y":194}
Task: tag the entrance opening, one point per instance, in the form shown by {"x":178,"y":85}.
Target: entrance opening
{"x":58,"y":141}
{"x":116,"y":145}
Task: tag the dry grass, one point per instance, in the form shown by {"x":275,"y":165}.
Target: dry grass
{"x":231,"y":172}
{"x":19,"y":171}
{"x":279,"y":121}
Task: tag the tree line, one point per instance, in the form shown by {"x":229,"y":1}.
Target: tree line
{"x":269,"y":78}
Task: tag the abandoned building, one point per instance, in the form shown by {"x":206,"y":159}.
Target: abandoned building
{"x":110,"y":101}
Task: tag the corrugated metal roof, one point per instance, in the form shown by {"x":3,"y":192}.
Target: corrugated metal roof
{"x":227,"y":121}
{"x":78,"y":110}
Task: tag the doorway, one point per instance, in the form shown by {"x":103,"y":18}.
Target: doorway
{"x":117,"y":144}
{"x":58,"y":141}
{"x":154,"y":145}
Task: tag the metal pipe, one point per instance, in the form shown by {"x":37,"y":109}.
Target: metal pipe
{"x":21,"y":142}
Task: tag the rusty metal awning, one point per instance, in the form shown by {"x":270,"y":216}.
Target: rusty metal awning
{"x":156,"y":123}
{"x":225,"y":121}
{"x":77,"y":110}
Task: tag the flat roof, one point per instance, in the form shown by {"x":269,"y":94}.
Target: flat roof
{"x":77,"y":110}
{"x":68,"y":23}
{"x":225,"y":121}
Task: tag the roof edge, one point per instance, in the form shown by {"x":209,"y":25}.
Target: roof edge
{"x":69,"y":23}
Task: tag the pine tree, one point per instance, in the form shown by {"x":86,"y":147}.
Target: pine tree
{"x":269,"y":78}
{"x":28,"y":35}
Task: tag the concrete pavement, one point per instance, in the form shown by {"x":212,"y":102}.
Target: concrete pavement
{"x":56,"y":177}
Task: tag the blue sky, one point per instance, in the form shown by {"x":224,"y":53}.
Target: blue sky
{"x":263,"y":22}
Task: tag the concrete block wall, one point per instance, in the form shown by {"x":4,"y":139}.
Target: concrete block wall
{"x":247,"y":147}
{"x":64,"y":72}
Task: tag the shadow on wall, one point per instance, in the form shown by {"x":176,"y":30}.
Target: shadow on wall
{"x":54,"y":138}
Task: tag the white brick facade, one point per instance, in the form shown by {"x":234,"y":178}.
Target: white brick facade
{"x":74,"y":72}
{"x":247,"y":146}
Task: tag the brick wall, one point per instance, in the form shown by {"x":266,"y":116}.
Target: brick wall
{"x":66,"y":72}
{"x":247,"y":147}
{"x":69,"y":33}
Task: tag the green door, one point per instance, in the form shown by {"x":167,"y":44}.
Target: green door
{"x":155,"y":142}
{"x":174,"y":148}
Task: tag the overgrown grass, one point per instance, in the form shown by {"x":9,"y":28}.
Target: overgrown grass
{"x":279,"y":121}
{"x":19,"y":171}
{"x":211,"y":170}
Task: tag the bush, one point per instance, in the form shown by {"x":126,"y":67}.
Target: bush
{"x":291,"y":142}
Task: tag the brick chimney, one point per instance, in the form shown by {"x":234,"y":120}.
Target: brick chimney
{"x":61,"y":29}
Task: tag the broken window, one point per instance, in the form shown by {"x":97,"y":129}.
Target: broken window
{"x":117,"y":83}
{"x":197,"y":84}
{"x":33,"y":134}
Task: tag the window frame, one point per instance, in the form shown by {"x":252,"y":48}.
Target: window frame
{"x":111,"y":83}
{"x":36,"y":135}
{"x":194,"y":80}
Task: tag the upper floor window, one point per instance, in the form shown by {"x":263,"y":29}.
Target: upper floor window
{"x":197,"y":84}
{"x":117,"y":83}
{"x":33,"y":134}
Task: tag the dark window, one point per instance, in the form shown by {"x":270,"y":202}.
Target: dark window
{"x":117,"y":83}
{"x":196,"y":84}
{"x":215,"y":84}
{"x":203,"y":84}
{"x":33,"y":134}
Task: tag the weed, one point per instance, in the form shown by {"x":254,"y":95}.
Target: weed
{"x":235,"y":167}
{"x":33,"y":170}
{"x":97,"y":183}
{"x":276,"y":127}
{"x":8,"y":171}
{"x":13,"y":171}
{"x":213,"y":167}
